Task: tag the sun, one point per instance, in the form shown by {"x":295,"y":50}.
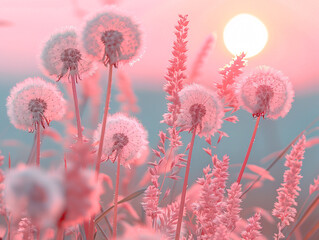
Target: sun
{"x":245,"y":33}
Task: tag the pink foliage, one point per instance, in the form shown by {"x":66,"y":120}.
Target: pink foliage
{"x":285,"y":206}
{"x":252,"y":230}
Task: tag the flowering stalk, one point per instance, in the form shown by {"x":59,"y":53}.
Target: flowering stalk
{"x":106,"y":110}
{"x":181,"y":207}
{"x":38,"y":132}
{"x":116,"y":194}
{"x":231,"y":71}
{"x":76,"y":106}
{"x":248,"y":151}
{"x":284,"y":207}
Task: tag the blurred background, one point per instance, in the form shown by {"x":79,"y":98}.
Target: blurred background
{"x":292,"y":47}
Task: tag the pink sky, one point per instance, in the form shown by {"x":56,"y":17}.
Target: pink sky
{"x":293,"y":34}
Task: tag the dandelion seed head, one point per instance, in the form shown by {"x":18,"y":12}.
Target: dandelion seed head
{"x":112,"y":38}
{"x":63,"y":57}
{"x":31,"y":192}
{"x":33,"y":102}
{"x":200,"y":107}
{"x":124,"y":137}
{"x":266,"y":92}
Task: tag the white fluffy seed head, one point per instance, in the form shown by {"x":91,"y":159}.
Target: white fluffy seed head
{"x":200,"y":107}
{"x":111,"y":37}
{"x":34,"y":101}
{"x":266,"y":92}
{"x":63,"y":56}
{"x":124,"y":137}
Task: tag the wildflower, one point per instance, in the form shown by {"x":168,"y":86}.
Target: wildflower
{"x":125,"y":138}
{"x":266,"y":92}
{"x":175,"y":77}
{"x":226,"y":89}
{"x":63,"y":57}
{"x":34,"y":102}
{"x":200,"y":107}
{"x":210,"y":204}
{"x":30,"y":192}
{"x":110,"y":37}
{"x":26,"y":229}
{"x":231,"y":214}
{"x":150,"y":201}
{"x":252,"y":230}
{"x":201,"y":57}
{"x":284,"y":207}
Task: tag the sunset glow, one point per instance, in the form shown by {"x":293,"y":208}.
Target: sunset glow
{"x":245,"y":33}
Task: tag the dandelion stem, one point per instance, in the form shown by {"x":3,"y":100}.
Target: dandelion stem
{"x":32,"y":152}
{"x":248,"y":151}
{"x":106,"y":109}
{"x":181,"y":206}
{"x":38,"y":131}
{"x":116,"y":194}
{"x":60,"y":233}
{"x":77,"y":111}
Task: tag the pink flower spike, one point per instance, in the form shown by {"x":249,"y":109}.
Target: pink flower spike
{"x":266,"y":92}
{"x":230,"y":72}
{"x":62,"y":57}
{"x":111,"y":37}
{"x":200,"y":107}
{"x":201,"y":57}
{"x":252,"y":230}
{"x":285,"y":206}
{"x":231,"y":215}
{"x":34,"y":102}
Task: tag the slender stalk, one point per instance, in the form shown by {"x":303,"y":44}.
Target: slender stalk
{"x":38,"y":131}
{"x":182,"y":204}
{"x":106,"y":110}
{"x":32,"y":152}
{"x":60,"y":233}
{"x":248,"y":151}
{"x":9,"y":161}
{"x":116,"y":194}
{"x":77,"y":111}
